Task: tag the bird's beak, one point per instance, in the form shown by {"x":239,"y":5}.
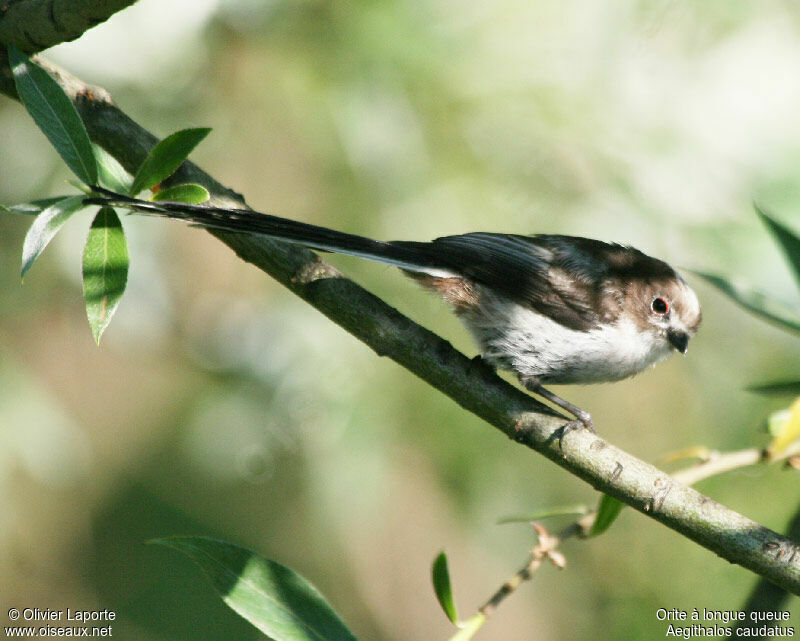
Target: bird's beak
{"x":679,"y":340}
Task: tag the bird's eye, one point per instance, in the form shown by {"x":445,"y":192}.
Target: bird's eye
{"x":659,"y":306}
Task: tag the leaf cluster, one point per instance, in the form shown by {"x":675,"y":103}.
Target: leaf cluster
{"x":105,"y":254}
{"x":784,"y":425}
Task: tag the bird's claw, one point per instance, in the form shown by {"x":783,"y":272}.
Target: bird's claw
{"x":582,"y":422}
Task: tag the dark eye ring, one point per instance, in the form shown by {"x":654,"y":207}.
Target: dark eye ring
{"x":659,"y":306}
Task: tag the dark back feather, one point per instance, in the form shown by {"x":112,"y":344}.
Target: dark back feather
{"x":563,"y":277}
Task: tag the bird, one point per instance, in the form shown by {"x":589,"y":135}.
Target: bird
{"x":550,"y":308}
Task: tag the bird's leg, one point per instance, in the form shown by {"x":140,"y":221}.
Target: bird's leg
{"x":583,"y":419}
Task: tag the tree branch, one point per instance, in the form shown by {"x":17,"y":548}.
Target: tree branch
{"x":718,"y":463}
{"x":35,"y":25}
{"x":469,"y":382}
{"x":766,"y":596}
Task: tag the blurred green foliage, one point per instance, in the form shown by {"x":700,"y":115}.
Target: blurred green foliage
{"x":219,"y":405}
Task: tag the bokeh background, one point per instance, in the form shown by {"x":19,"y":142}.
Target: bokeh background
{"x":219,"y":404}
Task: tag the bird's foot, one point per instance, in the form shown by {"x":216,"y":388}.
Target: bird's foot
{"x":584,"y":422}
{"x":582,"y":418}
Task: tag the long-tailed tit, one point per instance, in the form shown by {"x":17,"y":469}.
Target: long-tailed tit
{"x":549,"y":308}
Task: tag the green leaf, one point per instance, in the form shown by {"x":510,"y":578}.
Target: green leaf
{"x":785,"y":428}
{"x":546,"y":513}
{"x":469,"y":627}
{"x":111,"y":173}
{"x":105,"y":269}
{"x":187,"y":193}
{"x":787,"y":239}
{"x":441,"y":585}
{"x":32,"y":208}
{"x":279,"y":602}
{"x":166,"y":157}
{"x":45,"y":226}
{"x":757,"y":303}
{"x":776,"y":421}
{"x":607,"y":513}
{"x":54,"y":113}
{"x":777,"y":388}
{"x":701,"y":452}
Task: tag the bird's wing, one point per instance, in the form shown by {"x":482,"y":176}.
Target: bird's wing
{"x":560,"y":277}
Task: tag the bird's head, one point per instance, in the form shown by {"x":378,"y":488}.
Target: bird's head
{"x":668,"y":309}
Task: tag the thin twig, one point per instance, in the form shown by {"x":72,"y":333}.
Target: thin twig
{"x":544,"y":549}
{"x":717,"y":463}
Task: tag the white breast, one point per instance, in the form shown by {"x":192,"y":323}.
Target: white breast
{"x":518,"y":339}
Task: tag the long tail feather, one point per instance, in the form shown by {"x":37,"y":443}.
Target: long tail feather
{"x":409,"y":256}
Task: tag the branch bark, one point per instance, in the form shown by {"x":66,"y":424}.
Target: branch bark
{"x":35,"y":25}
{"x":468,"y":382}
{"x":766,"y":597}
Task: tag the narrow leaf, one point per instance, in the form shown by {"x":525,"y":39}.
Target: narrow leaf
{"x":777,"y":388}
{"x":786,"y":431}
{"x":111,"y":173}
{"x":105,"y":269}
{"x":186,"y":193}
{"x":54,"y":113}
{"x":45,"y":226}
{"x":607,"y":513}
{"x":546,"y":513}
{"x":469,"y":627}
{"x":787,"y":239}
{"x":701,"y":452}
{"x":441,"y":585}
{"x":166,"y":157}
{"x":776,"y":421}
{"x":32,"y":208}
{"x":276,"y":600}
{"x":757,"y":303}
